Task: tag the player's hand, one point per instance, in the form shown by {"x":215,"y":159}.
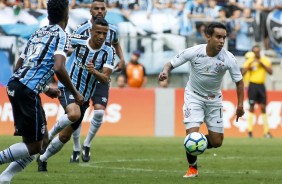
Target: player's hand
{"x":163,"y":76}
{"x":79,"y":99}
{"x":120,"y":66}
{"x":239,"y":112}
{"x":53,"y":92}
{"x":90,"y":68}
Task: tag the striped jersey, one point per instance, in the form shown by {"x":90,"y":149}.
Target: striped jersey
{"x":81,"y":56}
{"x":38,"y":56}
{"x":112,"y":35}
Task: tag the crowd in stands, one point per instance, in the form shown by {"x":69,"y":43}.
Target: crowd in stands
{"x":242,"y":17}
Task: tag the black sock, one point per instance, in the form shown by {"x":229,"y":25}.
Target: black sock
{"x":191,"y":160}
{"x":209,"y":143}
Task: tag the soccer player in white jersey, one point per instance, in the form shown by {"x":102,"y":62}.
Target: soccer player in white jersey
{"x":202,"y":96}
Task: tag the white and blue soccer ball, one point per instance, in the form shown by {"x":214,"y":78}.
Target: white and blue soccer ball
{"x":195,"y":143}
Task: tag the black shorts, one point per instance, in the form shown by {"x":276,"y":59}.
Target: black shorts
{"x":29,"y":116}
{"x":101,"y":94}
{"x":67,"y":98}
{"x":257,"y":93}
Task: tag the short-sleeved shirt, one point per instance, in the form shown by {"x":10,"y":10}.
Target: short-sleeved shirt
{"x":82,"y":55}
{"x":38,"y":57}
{"x":258,"y":74}
{"x":207,"y":73}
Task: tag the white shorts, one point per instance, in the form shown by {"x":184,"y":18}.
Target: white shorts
{"x":197,"y":110}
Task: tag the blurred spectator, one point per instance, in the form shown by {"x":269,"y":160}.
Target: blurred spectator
{"x":127,"y":6}
{"x":232,"y":34}
{"x":244,"y":32}
{"x":265,"y":7}
{"x":83,"y":3}
{"x":135,"y":72}
{"x":121,"y":81}
{"x":212,"y":10}
{"x":201,"y":34}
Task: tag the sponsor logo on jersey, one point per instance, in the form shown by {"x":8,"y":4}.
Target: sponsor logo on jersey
{"x":201,"y":55}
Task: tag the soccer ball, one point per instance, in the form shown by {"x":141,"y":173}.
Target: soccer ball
{"x":195,"y":143}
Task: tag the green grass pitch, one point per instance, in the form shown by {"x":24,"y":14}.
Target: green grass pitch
{"x":130,"y":160}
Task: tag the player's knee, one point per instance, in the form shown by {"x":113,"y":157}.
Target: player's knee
{"x":98,"y":116}
{"x":74,"y":115}
{"x":217,"y":142}
{"x":64,"y":138}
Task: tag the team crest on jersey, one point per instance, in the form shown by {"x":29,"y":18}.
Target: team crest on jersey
{"x":219,"y":67}
{"x":187,"y":112}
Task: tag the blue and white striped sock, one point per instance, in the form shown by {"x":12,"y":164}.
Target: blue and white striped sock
{"x":14,"y":153}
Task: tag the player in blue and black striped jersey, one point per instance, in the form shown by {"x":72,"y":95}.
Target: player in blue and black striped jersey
{"x":44,"y":55}
{"x":92,"y":60}
{"x":101,"y":93}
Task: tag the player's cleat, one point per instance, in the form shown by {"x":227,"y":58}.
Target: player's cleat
{"x":250,"y":134}
{"x":85,"y":154}
{"x":268,"y":135}
{"x":42,"y":166}
{"x":75,"y":157}
{"x":191,"y":173}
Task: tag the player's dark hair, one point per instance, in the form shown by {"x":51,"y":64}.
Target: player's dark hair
{"x":211,"y":26}
{"x":100,"y":21}
{"x":56,"y":10}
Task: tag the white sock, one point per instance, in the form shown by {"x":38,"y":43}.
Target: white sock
{"x":13,"y":153}
{"x":54,"y":147}
{"x":60,"y":125}
{"x":94,"y":127}
{"x":76,"y":139}
{"x":14,"y":168}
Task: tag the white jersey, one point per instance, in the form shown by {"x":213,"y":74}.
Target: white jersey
{"x":207,"y":72}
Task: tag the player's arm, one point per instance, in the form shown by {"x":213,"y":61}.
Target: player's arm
{"x":166,"y":70}
{"x":103,"y":76}
{"x":19,"y":64}
{"x":121,"y":63}
{"x":63,"y":76}
{"x":240,"y":95}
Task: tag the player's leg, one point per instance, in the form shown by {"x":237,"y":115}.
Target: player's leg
{"x":95,"y":125}
{"x":71,"y":116}
{"x":27,"y":111}
{"x":192,"y":160}
{"x":214,"y":121}
{"x":193,"y":118}
{"x":252,"y":100}
{"x":74,"y":114}
{"x":54,"y":147}
{"x":100,"y":100}
{"x":14,"y":168}
{"x":76,"y":145}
